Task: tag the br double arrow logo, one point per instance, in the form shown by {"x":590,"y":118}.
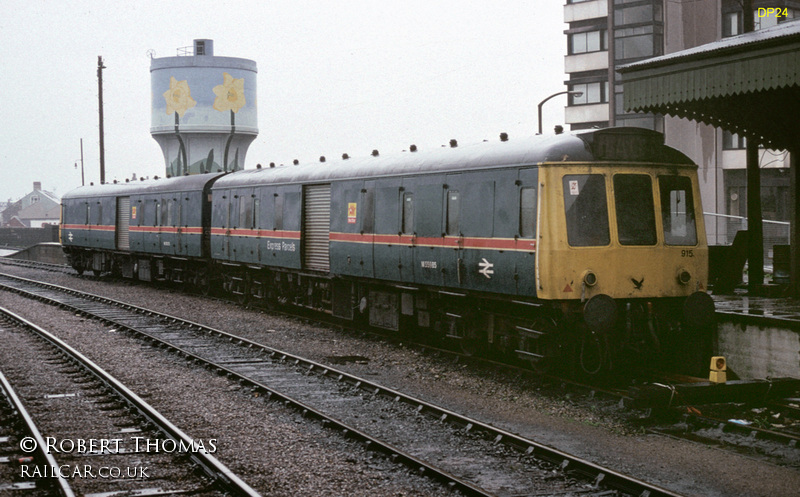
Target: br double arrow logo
{"x":486,"y":268}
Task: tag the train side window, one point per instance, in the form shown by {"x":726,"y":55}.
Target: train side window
{"x":243,"y":212}
{"x":141,"y":213}
{"x":157,"y":220}
{"x":677,"y":210}
{"x":368,"y":211}
{"x":166,"y":210}
{"x":527,"y":212}
{"x":633,"y":201}
{"x":408,"y":214}
{"x":256,"y":214}
{"x":278,"y":210}
{"x":453,"y":208}
{"x":169,"y":219}
{"x":88,"y":214}
{"x":99,"y":218}
{"x":586,"y":207}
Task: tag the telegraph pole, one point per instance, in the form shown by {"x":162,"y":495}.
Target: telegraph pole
{"x":100,"y":68}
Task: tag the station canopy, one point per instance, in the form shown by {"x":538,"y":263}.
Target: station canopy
{"x":747,"y":84}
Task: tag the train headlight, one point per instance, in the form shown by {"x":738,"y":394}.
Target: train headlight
{"x":589,"y":278}
{"x":684,"y":276}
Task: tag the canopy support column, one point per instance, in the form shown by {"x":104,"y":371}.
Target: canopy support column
{"x":755,"y":232}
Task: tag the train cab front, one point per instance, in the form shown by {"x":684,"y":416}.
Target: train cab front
{"x":623,"y":253}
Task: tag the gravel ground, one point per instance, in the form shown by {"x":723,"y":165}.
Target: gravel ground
{"x":286,"y":457}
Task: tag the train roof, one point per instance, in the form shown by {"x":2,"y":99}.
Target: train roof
{"x":195,"y":182}
{"x":609,"y":144}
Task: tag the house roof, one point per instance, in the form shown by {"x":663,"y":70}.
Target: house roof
{"x":40,"y":210}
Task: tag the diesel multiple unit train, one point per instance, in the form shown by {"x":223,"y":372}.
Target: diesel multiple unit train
{"x":584,"y":250}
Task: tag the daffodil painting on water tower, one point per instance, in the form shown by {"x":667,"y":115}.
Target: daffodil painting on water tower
{"x":203,"y":109}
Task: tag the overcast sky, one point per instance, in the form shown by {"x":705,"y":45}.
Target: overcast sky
{"x":333,"y":77}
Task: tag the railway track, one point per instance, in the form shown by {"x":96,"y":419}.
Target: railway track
{"x":16,"y":425}
{"x":79,"y":431}
{"x":743,"y":428}
{"x":468,"y":455}
{"x":735,"y":430}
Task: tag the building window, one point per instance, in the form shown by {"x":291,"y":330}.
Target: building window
{"x":763,"y":19}
{"x":593,"y":93}
{"x":589,"y":41}
{"x":731,"y":24}
{"x":634,"y":15}
{"x":732,"y":141}
{"x":732,"y":21}
{"x":635,"y":47}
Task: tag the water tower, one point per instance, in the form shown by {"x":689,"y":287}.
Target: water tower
{"x":203,"y":109}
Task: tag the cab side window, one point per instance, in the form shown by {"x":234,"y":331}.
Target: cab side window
{"x":527,"y":212}
{"x":677,"y":210}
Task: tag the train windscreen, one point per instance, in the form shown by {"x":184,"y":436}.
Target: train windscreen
{"x":586,"y":208}
{"x":633,"y":201}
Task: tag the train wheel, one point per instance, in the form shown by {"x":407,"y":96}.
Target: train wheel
{"x":472,"y":346}
{"x":464,"y":330}
{"x":203,"y":282}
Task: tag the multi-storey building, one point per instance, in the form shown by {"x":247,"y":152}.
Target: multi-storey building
{"x":605,"y":34}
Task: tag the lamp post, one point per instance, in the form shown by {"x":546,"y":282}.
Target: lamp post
{"x":571,"y":92}
{"x":76,"y":164}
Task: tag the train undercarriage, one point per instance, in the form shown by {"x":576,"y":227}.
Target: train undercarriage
{"x":575,"y":338}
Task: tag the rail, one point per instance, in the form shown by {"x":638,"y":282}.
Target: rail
{"x":210,"y":465}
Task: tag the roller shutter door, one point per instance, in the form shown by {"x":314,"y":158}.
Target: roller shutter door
{"x":316,"y":227}
{"x":123,"y":223}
